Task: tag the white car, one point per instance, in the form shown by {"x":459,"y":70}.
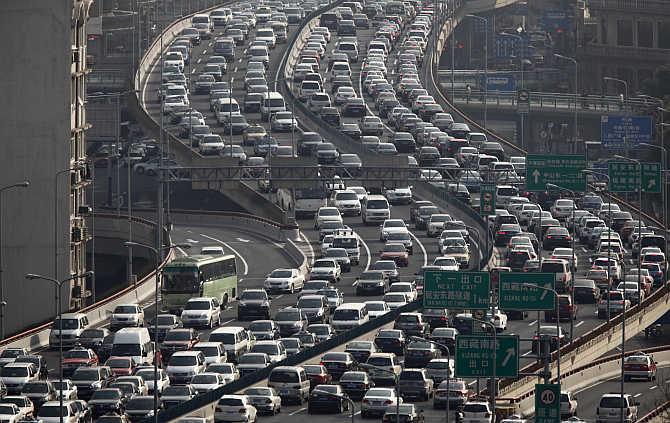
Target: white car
{"x":174,"y":102}
{"x":447,"y":263}
{"x":284,"y":121}
{"x":562,"y":208}
{"x":377,"y":400}
{"x":392,"y":226}
{"x":207,"y":381}
{"x":377,"y":308}
{"x":407,"y":288}
{"x":476,"y":412}
{"x":286,"y":280}
{"x":326,"y":243}
{"x":566,"y":254}
{"x":395,"y":299}
{"x":274,"y":349}
{"x":325,"y":269}
{"x":498,"y":318}
{"x":228,"y":370}
{"x":201,"y":312}
{"x":343,"y":94}
{"x":264,"y":399}
{"x":347,"y":202}
{"x":148,"y":375}
{"x":327,"y":214}
{"x":10,"y":413}
{"x":211,"y":144}
{"x":68,"y":389}
{"x":399,"y":195}
{"x":26,"y":407}
{"x":126,"y":315}
{"x":361,"y":192}
{"x":234,"y":408}
{"x":435,"y":223}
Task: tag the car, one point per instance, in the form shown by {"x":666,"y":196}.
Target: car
{"x":611,"y":407}
{"x":372,"y":282}
{"x":183,"y":365}
{"x":178,"y":339}
{"x":334,"y":297}
{"x":376,"y":401}
{"x":284,"y":280}
{"x":415,"y":383}
{"x":568,"y":404}
{"x":266,"y":400}
{"x":337,"y":363}
{"x":78,"y":357}
{"x":391,"y":226}
{"x":457,"y":395}
{"x":207,"y":381}
{"x":26,"y":407}
{"x":121,"y":366}
{"x":395,"y":300}
{"x":355,"y":384}
{"x":612,"y":303}
{"x":475,"y":411}
{"x":418,"y":353}
{"x":108,"y":400}
{"x":327,"y":214}
{"x":235,"y":408}
{"x":147,"y":374}
{"x":585,"y":291}
{"x":327,"y":398}
{"x":639,"y":366}
{"x":395,"y":251}
{"x":389,"y":268}
{"x":411,"y":324}
{"x":291,"y":320}
{"x":317,"y":375}
{"x":228,"y":370}
{"x":87,"y":380}
{"x":273,"y":348}
{"x":253,"y":302}
{"x":408,"y":288}
{"x":315,"y":308}
{"x":161,"y":325}
{"x":252,"y":361}
{"x":264,"y":329}
{"x":328,"y":269}
{"x":201,"y":312}
{"x":391,"y":341}
{"x":126,"y":315}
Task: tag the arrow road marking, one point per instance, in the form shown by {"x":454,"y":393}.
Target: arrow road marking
{"x":510,"y":353}
{"x":536,"y":176}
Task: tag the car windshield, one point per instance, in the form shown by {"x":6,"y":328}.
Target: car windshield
{"x":117,"y":363}
{"x":395,"y":298}
{"x":67,"y":324}
{"x":283,"y":376}
{"x":269,"y":349}
{"x":125,"y":310}
{"x":105,"y":394}
{"x":178,"y":335}
{"x":8,"y":371}
{"x":315,"y":285}
{"x":375,"y":306}
{"x":92,"y":333}
{"x":253,"y":295}
{"x":83,"y":374}
{"x":82,"y":354}
{"x":281,"y":274}
{"x":197,"y":305}
{"x":310,"y":303}
{"x":287,"y":316}
{"x":183,"y":360}
{"x":384,"y":265}
{"x":345,"y":314}
{"x":204,"y":379}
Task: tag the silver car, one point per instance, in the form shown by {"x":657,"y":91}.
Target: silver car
{"x":377,"y":400}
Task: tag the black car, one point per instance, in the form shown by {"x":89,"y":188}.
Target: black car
{"x":93,"y":338}
{"x":333,"y":401}
{"x":463,"y":323}
{"x":436,"y":317}
{"x":419,"y":353}
{"x":253,"y":303}
{"x":355,"y":384}
{"x":337,"y":363}
{"x":108,"y":400}
{"x":360,"y":350}
{"x":423,"y":215}
{"x":556,"y":236}
{"x":411,"y":324}
{"x":161,"y":325}
{"x":104,"y":351}
{"x":517,"y":259}
{"x":445,"y":337}
{"x":391,"y":340}
{"x":586,"y":291}
{"x":308,"y":142}
{"x":505,"y":232}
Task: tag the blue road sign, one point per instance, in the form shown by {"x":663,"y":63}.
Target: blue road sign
{"x":500,"y":82}
{"x":634,"y":129}
{"x":510,"y":46}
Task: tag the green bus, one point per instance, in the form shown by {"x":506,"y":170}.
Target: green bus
{"x":198,"y":276}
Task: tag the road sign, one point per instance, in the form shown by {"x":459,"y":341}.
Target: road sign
{"x":625,"y":177}
{"x":617,"y":131}
{"x":564,"y":170}
{"x":456,"y":290}
{"x":474,"y":356}
{"x":500,"y":83}
{"x":515,"y":296}
{"x":487,"y":200}
{"x":523,"y":101}
{"x":547,"y":403}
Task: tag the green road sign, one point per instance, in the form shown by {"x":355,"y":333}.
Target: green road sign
{"x":547,"y":403}
{"x":562,"y":170}
{"x":487,"y":200}
{"x":474,"y":356}
{"x":625,"y":177}
{"x":456,"y":290}
{"x":515,"y":296}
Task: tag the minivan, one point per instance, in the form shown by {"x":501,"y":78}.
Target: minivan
{"x":375,"y":209}
{"x":561,"y":269}
{"x":290,"y":382}
{"x":349,"y":316}
{"x":235,"y":339}
{"x":134,"y":343}
{"x":73,"y":324}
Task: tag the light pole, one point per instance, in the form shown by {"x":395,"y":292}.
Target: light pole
{"x":494,"y":384}
{"x":446,"y":348}
{"x":395,"y":385}
{"x":486,"y":63}
{"x":574,"y":61}
{"x":625,"y":98}
{"x":572,"y":258}
{"x":609,"y":232}
{"x":3,"y":303}
{"x":157,"y":254}
{"x":352,"y":405}
{"x":58,"y":284}
{"x":558,"y":326}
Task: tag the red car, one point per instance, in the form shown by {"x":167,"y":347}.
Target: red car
{"x":317,"y":375}
{"x":568,"y":310}
{"x":121,"y":366}
{"x":397,"y":252}
{"x":78,"y":357}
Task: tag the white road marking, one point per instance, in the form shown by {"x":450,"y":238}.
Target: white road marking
{"x":637,"y":395}
{"x":423,"y":249}
{"x":199,"y":60}
{"x":297,"y":411}
{"x":580,"y":323}
{"x":585,"y":250}
{"x":232,"y":79}
{"x":532,"y":323}
{"x":526,"y":353}
{"x":211,"y":43}
{"x":181,"y":250}
{"x":651,"y":388}
{"x":367,"y":251}
{"x":279,"y":244}
{"x":242,"y":239}
{"x":193,"y":71}
{"x":472,"y":383}
{"x":279,"y":296}
{"x":191,"y":241}
{"x":244,"y":262}
{"x":226,"y":322}
{"x":311,"y":249}
{"x":235,"y":70}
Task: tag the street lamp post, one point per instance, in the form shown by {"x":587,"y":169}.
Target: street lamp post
{"x":574,"y":61}
{"x":625,"y":98}
{"x":395,"y":380}
{"x":3,"y":303}
{"x":494,"y":379}
{"x":558,"y":326}
{"x":572,"y":259}
{"x":446,"y":348}
{"x":486,"y":63}
{"x":609,"y":232}
{"x":58,"y":284}
{"x":352,"y":405}
{"x":157,"y":253}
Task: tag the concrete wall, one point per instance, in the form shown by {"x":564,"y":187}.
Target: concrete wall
{"x":35,"y":134}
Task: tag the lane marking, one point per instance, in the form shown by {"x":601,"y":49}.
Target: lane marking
{"x":585,"y":250}
{"x":181,"y":250}
{"x":204,"y":51}
{"x":651,"y":388}
{"x":232,"y":79}
{"x":423,"y":249}
{"x":279,"y":296}
{"x":527,"y":353}
{"x":235,"y":70}
{"x":367,"y":251}
{"x":580,"y":323}
{"x":297,"y":411}
{"x":244,"y":262}
{"x":311,"y":249}
{"x":199,"y":60}
{"x":226,"y":322}
{"x":472,"y":383}
{"x":532,"y":323}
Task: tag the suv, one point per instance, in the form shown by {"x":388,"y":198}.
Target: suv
{"x":411,"y":324}
{"x":415,"y":383}
{"x":611,"y":405}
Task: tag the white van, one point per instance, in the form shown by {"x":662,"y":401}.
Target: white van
{"x":375,"y":209}
{"x":290,"y":382}
{"x":504,"y":193}
{"x":73,"y":325}
{"x":259,"y":54}
{"x":224,"y":107}
{"x":349,"y":316}
{"x":273,"y":102}
{"x":307,"y":88}
{"x":235,"y":339}
{"x":483,"y":162}
{"x":134,"y":343}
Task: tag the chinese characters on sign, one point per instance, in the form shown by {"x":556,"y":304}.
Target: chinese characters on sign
{"x":475,"y":355}
{"x":562,"y":170}
{"x":515,"y":296}
{"x":616,"y":131}
{"x":547,"y":403}
{"x":456,"y":290}
{"x":625,"y":177}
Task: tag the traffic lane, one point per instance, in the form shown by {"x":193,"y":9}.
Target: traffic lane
{"x":648,"y":394}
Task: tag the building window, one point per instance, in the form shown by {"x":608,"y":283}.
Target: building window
{"x":664,"y":34}
{"x":645,"y":34}
{"x":625,"y":33}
